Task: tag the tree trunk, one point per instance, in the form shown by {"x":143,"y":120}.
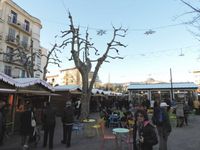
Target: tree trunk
{"x":85,"y":98}
{"x":85,"y":108}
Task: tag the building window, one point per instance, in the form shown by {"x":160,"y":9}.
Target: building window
{"x":38,"y":60}
{"x":37,"y":75}
{"x":22,"y":74}
{"x":26,"y":25}
{"x":24,"y":41}
{"x":7,"y":70}
{"x":9,"y":54}
{"x":11,"y":35}
{"x":13,"y":17}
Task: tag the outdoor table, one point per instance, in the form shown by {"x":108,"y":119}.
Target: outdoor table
{"x":89,"y":120}
{"x":120,"y":132}
{"x":88,"y":130}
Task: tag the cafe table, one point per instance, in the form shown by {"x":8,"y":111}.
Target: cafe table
{"x":120,"y":134}
{"x":88,"y":130}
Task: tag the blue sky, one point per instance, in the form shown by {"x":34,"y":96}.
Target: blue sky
{"x":146,"y":55}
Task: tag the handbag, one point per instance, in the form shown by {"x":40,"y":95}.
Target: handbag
{"x":33,"y":122}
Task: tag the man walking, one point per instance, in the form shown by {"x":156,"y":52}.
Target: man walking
{"x":163,"y":125}
{"x":49,"y":122}
{"x":67,"y":119}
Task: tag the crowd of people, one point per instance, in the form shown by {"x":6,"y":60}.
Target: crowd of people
{"x":147,"y":132}
{"x":145,"y":129}
{"x":28,"y":124}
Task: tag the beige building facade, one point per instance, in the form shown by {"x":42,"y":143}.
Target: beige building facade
{"x":18,"y":29}
{"x":69,"y":76}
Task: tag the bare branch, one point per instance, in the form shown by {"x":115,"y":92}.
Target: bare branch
{"x":116,"y":57}
{"x":195,"y":9}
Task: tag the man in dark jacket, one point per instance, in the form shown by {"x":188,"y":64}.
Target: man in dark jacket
{"x":68,"y":119}
{"x":49,"y":122}
{"x":26,"y":128}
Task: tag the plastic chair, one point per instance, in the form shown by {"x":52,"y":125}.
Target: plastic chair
{"x":78,"y":128}
{"x":97,"y":126}
{"x":106,"y":136}
{"x":114,"y":121}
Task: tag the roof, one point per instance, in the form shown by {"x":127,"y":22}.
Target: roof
{"x":175,"y":85}
{"x":69,"y":69}
{"x":7,"y":79}
{"x":97,"y":91}
{"x":24,"y":82}
{"x":67,"y":88}
{"x":51,"y":76}
{"x":109,"y":93}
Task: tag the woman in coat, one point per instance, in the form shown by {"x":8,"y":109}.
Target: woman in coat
{"x":26,"y":128}
{"x":145,"y":136}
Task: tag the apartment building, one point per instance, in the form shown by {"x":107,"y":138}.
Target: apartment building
{"x":196,"y":76}
{"x":70,"y":76}
{"x":19,"y":34}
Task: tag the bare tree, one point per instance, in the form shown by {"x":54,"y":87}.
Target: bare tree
{"x":81,"y":46}
{"x":51,"y":58}
{"x":21,"y":57}
{"x":195,"y":18}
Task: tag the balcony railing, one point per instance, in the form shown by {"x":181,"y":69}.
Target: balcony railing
{"x":12,"y":40}
{"x":24,"y":44}
{"x":8,"y":58}
{"x":19,"y":24}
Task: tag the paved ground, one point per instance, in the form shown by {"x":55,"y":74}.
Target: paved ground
{"x":186,"y":138}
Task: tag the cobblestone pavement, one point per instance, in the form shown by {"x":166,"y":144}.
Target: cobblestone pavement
{"x":185,"y":138}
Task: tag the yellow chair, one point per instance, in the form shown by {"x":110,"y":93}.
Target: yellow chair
{"x":131,"y":123}
{"x":98,"y":126}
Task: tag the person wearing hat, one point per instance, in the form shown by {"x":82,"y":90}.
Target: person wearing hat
{"x":164,"y":126}
{"x":67,"y":120}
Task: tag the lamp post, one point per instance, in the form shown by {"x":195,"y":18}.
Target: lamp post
{"x":172,"y":95}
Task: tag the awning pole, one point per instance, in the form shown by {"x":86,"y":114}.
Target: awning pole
{"x":14,"y":112}
{"x":49,"y":98}
{"x":172,"y":94}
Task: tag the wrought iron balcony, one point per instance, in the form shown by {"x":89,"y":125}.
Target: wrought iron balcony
{"x":20,"y":25}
